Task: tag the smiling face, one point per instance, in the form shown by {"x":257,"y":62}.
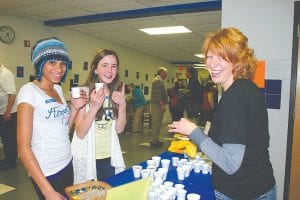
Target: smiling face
{"x":53,"y":71}
{"x":107,"y":69}
{"x":220,"y":70}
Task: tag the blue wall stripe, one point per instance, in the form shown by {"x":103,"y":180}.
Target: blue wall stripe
{"x":146,"y":12}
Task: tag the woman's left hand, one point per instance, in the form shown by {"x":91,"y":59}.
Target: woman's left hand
{"x":119,"y":96}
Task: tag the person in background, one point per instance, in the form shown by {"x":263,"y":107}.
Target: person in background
{"x":95,"y":146}
{"x":238,"y":140}
{"x":8,"y":118}
{"x":208,"y":104}
{"x":158,"y":101}
{"x":45,"y":119}
{"x":176,"y":100}
{"x":194,"y":98}
{"x":139,"y":102}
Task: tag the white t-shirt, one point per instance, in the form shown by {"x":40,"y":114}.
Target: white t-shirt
{"x":50,"y":133}
{"x":7,"y":86}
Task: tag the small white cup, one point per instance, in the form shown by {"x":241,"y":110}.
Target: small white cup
{"x":179,"y":186}
{"x":184,"y":160}
{"x":152,"y":195}
{"x":174,"y":161}
{"x":158,"y":182}
{"x":151,"y":163}
{"x":165,"y":163}
{"x":152,"y":170}
{"x":164,"y":197}
{"x":193,"y":196}
{"x":98,"y":86}
{"x":180,"y":173}
{"x":181,"y":193}
{"x":158,"y":191}
{"x":187,"y":170}
{"x":205,"y":168}
{"x":169,"y":184}
{"x":157,"y":160}
{"x":197,"y":167}
{"x":163,"y":187}
{"x":158,"y":175}
{"x":170,"y":194}
{"x":180,"y":163}
{"x":145,"y":173}
{"x":136,"y":171}
{"x":164,"y":171}
{"x":173,"y":191}
{"x":75,"y":92}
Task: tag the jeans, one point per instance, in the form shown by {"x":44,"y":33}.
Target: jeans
{"x":270,"y":195}
{"x":104,"y":169}
{"x":8,"y":136}
{"x":59,"y":181}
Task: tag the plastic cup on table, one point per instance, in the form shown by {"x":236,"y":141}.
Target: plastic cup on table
{"x":179,"y":186}
{"x":173,"y":191}
{"x":152,"y":195}
{"x":157,"y":160}
{"x":169,"y":194}
{"x":180,"y":173}
{"x":152,"y":170}
{"x":163,"y":187}
{"x":193,"y":196}
{"x":165,"y":163}
{"x":145,"y":173}
{"x":184,"y":160}
{"x":151,"y":163}
{"x":169,"y":184}
{"x":187,"y":170}
{"x":164,"y":197}
{"x":164,"y":171}
{"x":175,"y":160}
{"x":181,"y":193}
{"x":158,"y":175}
{"x":197,"y":167}
{"x":136,"y":171}
{"x":205,"y":168}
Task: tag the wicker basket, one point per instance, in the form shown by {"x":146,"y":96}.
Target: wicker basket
{"x":79,"y":191}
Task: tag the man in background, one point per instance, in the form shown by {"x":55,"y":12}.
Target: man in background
{"x":194,"y":99}
{"x":139,"y":102}
{"x":8,"y":118}
{"x":158,"y":102}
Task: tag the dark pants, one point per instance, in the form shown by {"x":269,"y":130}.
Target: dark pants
{"x":104,"y":169}
{"x":8,"y":133}
{"x":59,"y":181}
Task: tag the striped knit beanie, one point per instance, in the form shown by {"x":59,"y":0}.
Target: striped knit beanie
{"x":49,"y":49}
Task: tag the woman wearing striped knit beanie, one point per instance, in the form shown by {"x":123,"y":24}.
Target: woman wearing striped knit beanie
{"x":44,"y":121}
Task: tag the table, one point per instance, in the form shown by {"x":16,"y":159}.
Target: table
{"x":195,"y":183}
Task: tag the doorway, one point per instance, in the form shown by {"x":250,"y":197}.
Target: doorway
{"x":292,"y":169}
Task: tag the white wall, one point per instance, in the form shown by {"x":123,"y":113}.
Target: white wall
{"x":81,"y":48}
{"x":269,"y":27}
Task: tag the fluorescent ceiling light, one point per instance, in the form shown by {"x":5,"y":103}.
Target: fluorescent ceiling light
{"x":200,"y":68}
{"x":165,"y":30}
{"x":199,"y":55}
{"x":200,"y":65}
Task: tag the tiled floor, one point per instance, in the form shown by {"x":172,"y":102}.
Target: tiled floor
{"x":134,"y":152}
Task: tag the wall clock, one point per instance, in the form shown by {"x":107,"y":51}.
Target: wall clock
{"x":7,"y":34}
